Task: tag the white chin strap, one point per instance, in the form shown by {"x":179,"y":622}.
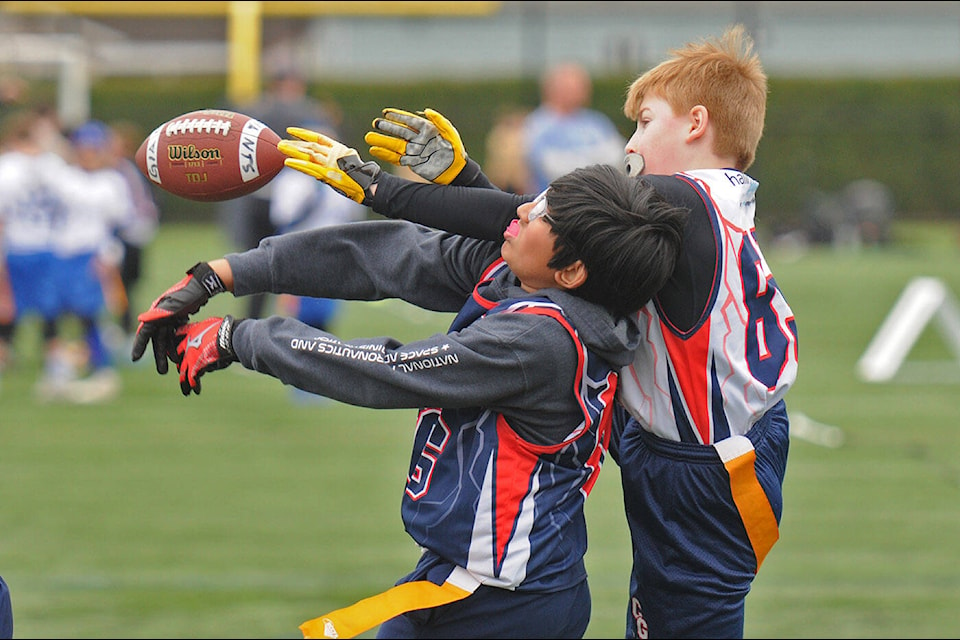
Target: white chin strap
{"x":633,"y":163}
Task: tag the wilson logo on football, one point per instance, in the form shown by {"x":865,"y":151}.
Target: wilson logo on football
{"x":180,"y":153}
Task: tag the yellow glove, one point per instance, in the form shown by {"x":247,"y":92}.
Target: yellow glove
{"x":424,"y":141}
{"x":331,"y":162}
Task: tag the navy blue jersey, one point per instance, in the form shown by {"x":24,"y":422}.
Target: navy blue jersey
{"x":507,"y":510}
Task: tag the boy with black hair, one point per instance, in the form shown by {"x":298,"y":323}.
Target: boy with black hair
{"x":515,"y":400}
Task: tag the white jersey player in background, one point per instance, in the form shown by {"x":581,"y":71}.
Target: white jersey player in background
{"x":31,"y":208}
{"x":88,"y":253}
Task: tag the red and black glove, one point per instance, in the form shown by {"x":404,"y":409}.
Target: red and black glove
{"x":204,"y":346}
{"x":171,"y":310}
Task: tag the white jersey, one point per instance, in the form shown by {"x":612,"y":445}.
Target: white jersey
{"x":31,"y":206}
{"x":559,"y":143}
{"x":299,"y":201}
{"x":98,"y":204}
{"x":740,"y":359}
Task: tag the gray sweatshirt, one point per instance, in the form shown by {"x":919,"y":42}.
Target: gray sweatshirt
{"x":519,"y":364}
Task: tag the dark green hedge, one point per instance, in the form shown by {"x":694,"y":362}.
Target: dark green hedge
{"x":820,"y":134}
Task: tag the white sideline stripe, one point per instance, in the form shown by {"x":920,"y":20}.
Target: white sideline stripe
{"x":923,"y":300}
{"x":825,"y":435}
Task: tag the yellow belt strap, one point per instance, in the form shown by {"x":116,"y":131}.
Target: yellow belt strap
{"x":351,"y":621}
{"x":738,"y":457}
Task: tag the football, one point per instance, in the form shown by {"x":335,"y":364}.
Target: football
{"x":210,"y":155}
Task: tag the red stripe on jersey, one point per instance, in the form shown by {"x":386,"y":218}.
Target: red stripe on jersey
{"x":690,"y":358}
{"x":603,"y":432}
{"x":606,"y":398}
{"x":514,"y":467}
{"x":516,"y":459}
{"x":486,"y":277}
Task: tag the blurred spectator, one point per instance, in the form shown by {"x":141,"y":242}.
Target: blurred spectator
{"x":826,"y":220}
{"x":50,"y":131}
{"x":13,"y":94}
{"x":140,"y":229}
{"x":30,"y":210}
{"x":285,"y":103}
{"x":870,"y":203}
{"x":505,"y":162}
{"x":563,"y":133}
{"x":860,"y":214}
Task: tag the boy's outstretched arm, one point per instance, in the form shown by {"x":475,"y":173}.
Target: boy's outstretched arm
{"x":476,"y":213}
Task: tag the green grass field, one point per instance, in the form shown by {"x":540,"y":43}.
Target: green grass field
{"x":238,"y":513}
